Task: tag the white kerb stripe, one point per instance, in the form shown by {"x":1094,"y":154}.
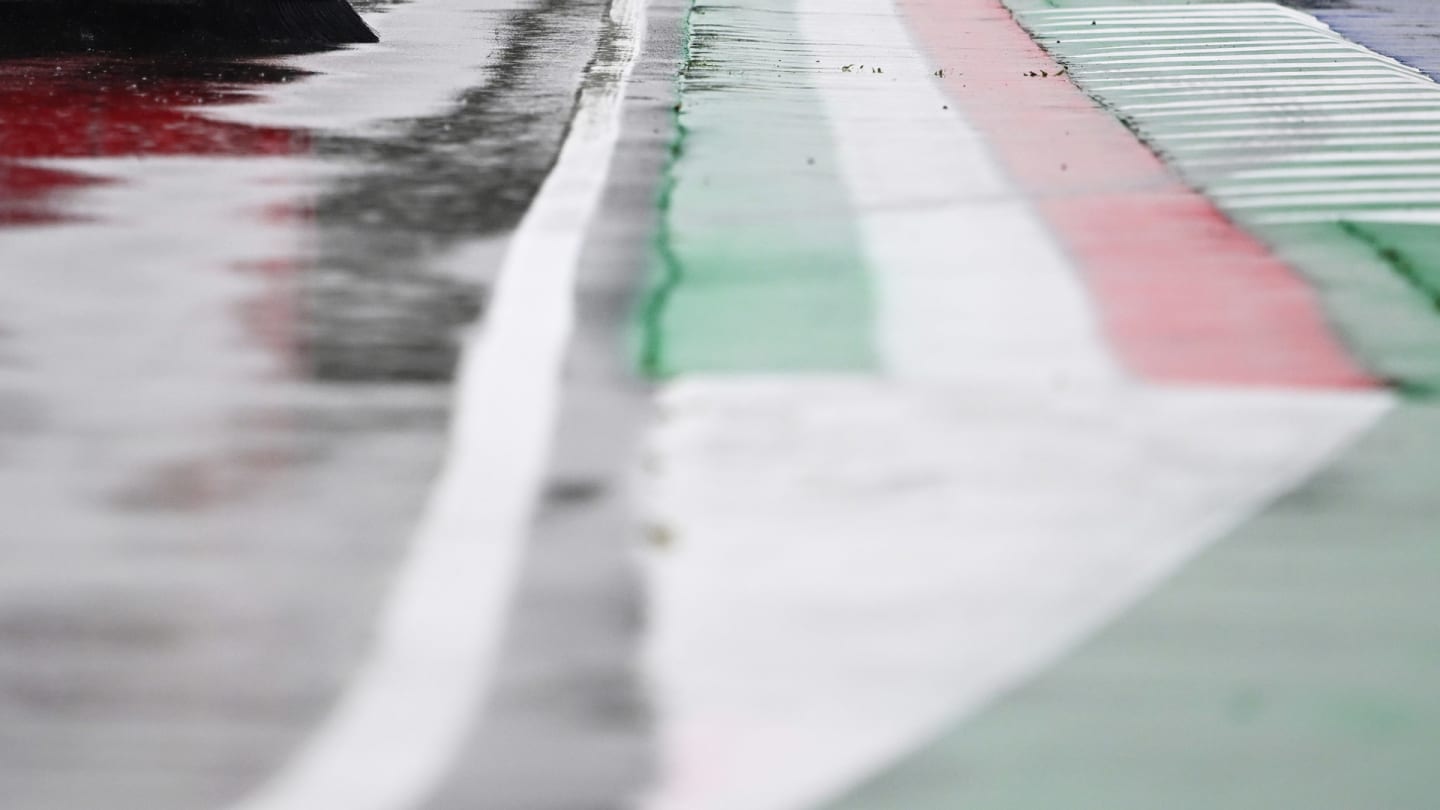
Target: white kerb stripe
{"x":957,"y":250}
{"x":398,"y":727}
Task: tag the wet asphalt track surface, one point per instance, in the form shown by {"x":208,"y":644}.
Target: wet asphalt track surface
{"x":1408,"y":30}
{"x":224,"y":391}
{"x":226,"y":356}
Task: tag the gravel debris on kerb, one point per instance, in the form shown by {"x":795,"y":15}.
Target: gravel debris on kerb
{"x":1326,"y":150}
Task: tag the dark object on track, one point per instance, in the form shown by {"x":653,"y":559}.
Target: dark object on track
{"x":40,"y":26}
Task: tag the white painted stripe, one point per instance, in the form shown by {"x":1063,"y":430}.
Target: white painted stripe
{"x":1359,"y":215}
{"x":1158,"y":42}
{"x":1315,"y":130}
{"x":1319,"y":172}
{"x":1343,"y":199}
{"x":1252,"y":67}
{"x":1170,"y":52}
{"x":1205,"y":61}
{"x":1352,"y":74}
{"x":857,"y":562}
{"x":399,"y":725}
{"x":1226,"y":84}
{"x":1228,"y":10}
{"x":1162,"y":48}
{"x":1331,"y":186}
{"x":1115,"y":15}
{"x":1152,"y":27}
{"x":1293,"y":119}
{"x":1288,"y":202}
{"x":1258,"y":14}
{"x":1328,"y":185}
{"x":1250,"y":90}
{"x":1123,"y":8}
{"x":1365,"y":156}
{"x":1429,"y":215}
{"x":1302,"y":143}
{"x":1339,"y":99}
{"x":1223,"y":39}
{"x":1315,"y":108}
{"x":1273,"y":19}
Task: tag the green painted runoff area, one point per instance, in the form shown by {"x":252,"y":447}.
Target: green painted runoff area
{"x":1294,"y":665}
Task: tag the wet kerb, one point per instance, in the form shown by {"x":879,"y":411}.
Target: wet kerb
{"x":1185,"y":295}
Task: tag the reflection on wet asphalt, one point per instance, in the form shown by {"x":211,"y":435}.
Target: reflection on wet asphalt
{"x":83,"y":106}
{"x":467,"y":173}
{"x":224,"y":357}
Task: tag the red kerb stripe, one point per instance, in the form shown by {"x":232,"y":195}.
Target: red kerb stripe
{"x":1185,"y":296}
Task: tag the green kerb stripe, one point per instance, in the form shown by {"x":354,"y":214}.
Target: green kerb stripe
{"x":758,"y":265}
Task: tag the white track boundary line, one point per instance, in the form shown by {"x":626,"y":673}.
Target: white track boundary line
{"x":400,"y":724}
